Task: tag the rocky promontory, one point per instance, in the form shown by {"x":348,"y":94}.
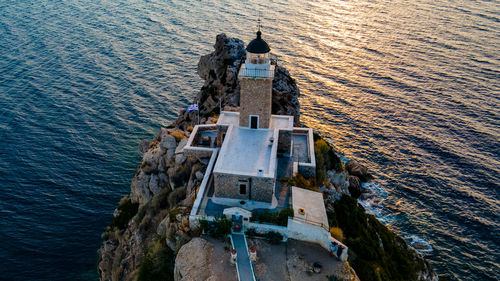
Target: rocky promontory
{"x":150,"y":237}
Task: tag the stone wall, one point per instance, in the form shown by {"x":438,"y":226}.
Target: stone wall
{"x":228,"y":186}
{"x":255,"y":99}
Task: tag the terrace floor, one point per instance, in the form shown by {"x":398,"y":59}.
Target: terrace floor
{"x":300,"y":150}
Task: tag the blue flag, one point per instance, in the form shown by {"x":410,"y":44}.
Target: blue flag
{"x":193,"y":107}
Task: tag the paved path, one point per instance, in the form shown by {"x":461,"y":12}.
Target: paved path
{"x":245,"y":271}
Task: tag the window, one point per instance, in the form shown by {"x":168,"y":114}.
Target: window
{"x":243,"y":188}
{"x":254,"y":121}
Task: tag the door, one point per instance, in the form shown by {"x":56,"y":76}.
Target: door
{"x":254,"y":121}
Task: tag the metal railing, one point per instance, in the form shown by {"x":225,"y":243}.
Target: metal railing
{"x":309,"y":221}
{"x":257,"y":73}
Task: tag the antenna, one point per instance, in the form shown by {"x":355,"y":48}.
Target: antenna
{"x":258,"y":21}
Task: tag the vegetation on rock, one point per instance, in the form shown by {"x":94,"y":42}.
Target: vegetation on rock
{"x":158,"y":263}
{"x":326,"y":159}
{"x":375,"y":252}
{"x":300,"y":181}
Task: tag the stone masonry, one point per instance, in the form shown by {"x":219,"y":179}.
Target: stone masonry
{"x":255,"y":99}
{"x":260,"y":188}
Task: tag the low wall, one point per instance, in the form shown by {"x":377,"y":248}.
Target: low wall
{"x":315,"y":234}
{"x":302,"y":232}
{"x":204,"y":183}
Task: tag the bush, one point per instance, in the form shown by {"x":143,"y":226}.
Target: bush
{"x":279,"y":218}
{"x":283,"y":216}
{"x":204,"y":224}
{"x":300,"y":181}
{"x":127,"y":210}
{"x":158,"y":263}
{"x":176,"y":196}
{"x":337,"y":233}
{"x":376,"y":253}
{"x":274,"y":237}
{"x":222,"y":227}
{"x":177,"y":135}
{"x":326,"y":159}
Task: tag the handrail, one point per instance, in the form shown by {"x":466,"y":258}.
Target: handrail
{"x":255,"y":73}
{"x":320,"y":224}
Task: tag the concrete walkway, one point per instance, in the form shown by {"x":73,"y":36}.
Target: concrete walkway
{"x":244,"y":266}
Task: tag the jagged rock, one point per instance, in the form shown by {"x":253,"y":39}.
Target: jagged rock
{"x":356,"y":169}
{"x":354,"y":186}
{"x":144,"y":146}
{"x":180,"y":158}
{"x":163,"y":226}
{"x":180,"y":147}
{"x":151,"y":159}
{"x":140,"y":188}
{"x":285,"y":99}
{"x":335,"y":178}
{"x":168,"y":142}
{"x":154,"y":184}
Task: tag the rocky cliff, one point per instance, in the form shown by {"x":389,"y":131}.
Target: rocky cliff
{"x":150,"y":227}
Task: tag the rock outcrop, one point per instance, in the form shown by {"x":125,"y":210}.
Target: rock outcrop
{"x":221,"y":88}
{"x":164,"y":186}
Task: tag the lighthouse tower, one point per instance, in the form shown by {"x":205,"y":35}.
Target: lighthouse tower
{"x":256,"y":85}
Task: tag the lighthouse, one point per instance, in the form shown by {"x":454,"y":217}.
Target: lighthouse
{"x":256,"y":85}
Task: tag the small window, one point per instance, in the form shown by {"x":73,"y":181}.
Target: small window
{"x":243,"y":189}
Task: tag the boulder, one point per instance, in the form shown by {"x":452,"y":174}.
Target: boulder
{"x":193,"y":261}
{"x":151,"y":160}
{"x":354,"y":186}
{"x":180,"y":158}
{"x":180,"y":147}
{"x":356,"y":169}
{"x":154,"y":184}
{"x":168,"y":142}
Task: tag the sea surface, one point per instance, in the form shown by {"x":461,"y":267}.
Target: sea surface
{"x":409,"y":88}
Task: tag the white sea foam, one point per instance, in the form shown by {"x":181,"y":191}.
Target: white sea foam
{"x":419,"y":244}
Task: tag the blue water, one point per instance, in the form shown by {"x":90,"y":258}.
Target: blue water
{"x":411,"y":89}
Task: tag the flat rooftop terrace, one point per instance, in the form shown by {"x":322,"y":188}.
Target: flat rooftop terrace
{"x":312,"y":204}
{"x":246,"y":151}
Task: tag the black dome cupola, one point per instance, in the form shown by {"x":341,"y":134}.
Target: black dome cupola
{"x":258,"y":45}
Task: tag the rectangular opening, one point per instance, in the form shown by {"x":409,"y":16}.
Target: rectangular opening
{"x":243,"y":188}
{"x":254,"y":121}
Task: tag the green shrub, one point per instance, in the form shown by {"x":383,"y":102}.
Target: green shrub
{"x":300,"y":181}
{"x":127,"y":210}
{"x":222,"y":227}
{"x":274,"y":237}
{"x":279,"y":218}
{"x":176,"y":196}
{"x":204,"y":224}
{"x":283,"y":216}
{"x":158,"y":263}
{"x":326,"y":159}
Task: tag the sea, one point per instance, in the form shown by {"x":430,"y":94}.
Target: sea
{"x":411,"y":89}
